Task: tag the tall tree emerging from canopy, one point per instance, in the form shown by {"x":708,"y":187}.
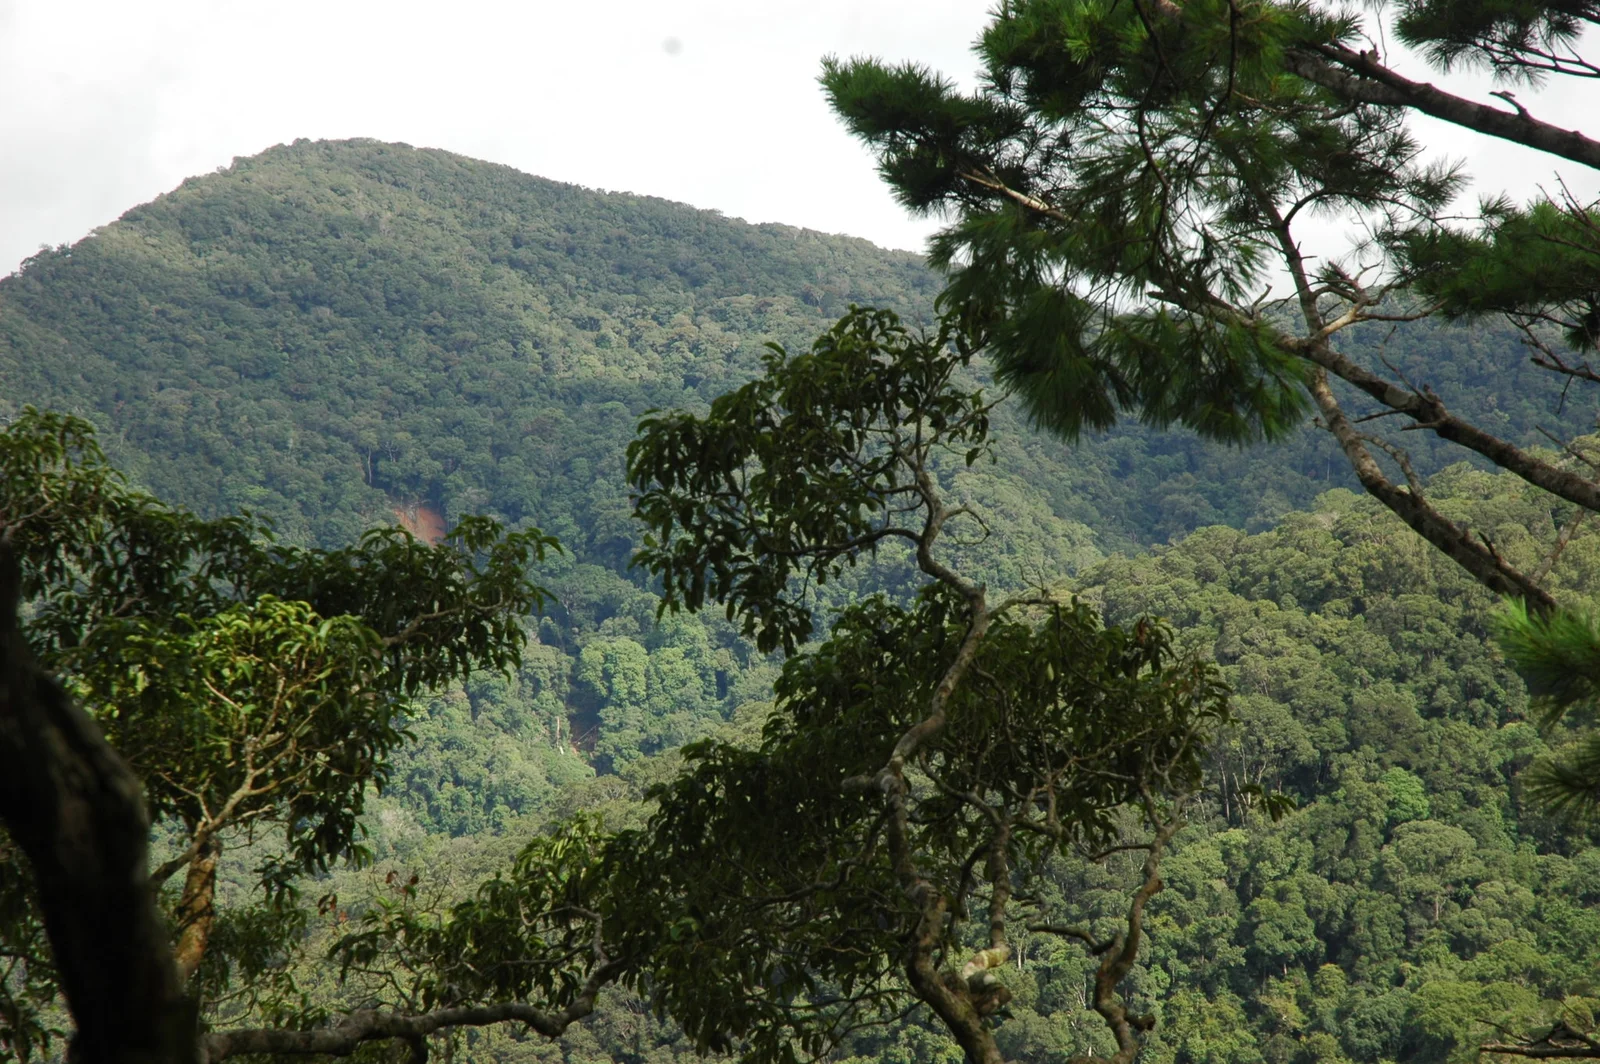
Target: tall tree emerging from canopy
{"x":926,"y":761}
{"x":254,"y":688}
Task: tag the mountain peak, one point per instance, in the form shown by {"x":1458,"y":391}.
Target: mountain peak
{"x":329,"y":329}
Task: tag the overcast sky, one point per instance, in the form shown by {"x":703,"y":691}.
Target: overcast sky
{"x":104,"y":104}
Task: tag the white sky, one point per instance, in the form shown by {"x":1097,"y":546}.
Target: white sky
{"x":104,"y":104}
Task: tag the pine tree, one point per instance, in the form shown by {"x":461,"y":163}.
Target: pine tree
{"x":1130,"y":183}
{"x":1129,"y":186}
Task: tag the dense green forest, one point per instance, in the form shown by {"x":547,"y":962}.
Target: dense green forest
{"x":328,"y":331}
{"x":1413,"y":900}
{"x":334,"y":335}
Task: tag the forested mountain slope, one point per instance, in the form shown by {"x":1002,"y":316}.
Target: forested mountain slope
{"x":328,"y":329}
{"x":1413,"y":900}
{"x":334,"y":333}
{"x":331,"y":331}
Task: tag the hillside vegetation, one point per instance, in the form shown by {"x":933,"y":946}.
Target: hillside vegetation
{"x":331,"y":331}
{"x":339,"y":334}
{"x":1413,"y":900}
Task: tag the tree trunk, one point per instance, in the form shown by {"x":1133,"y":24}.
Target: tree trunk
{"x":197,"y":908}
{"x":77,"y":811}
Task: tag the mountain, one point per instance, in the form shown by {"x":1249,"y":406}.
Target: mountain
{"x":330,"y":331}
{"x":340,"y":333}
{"x":335,"y":333}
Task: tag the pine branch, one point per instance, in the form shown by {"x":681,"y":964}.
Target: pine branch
{"x":1359,"y":77}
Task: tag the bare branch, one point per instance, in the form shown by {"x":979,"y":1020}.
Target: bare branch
{"x":1118,"y":958}
{"x":1429,"y":411}
{"x":1562,"y":540}
{"x":1079,"y":933}
{"x":1483,"y":563}
{"x":1561,"y":1043}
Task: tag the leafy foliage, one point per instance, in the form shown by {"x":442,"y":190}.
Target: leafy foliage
{"x":527,"y":933}
{"x":252,"y":685}
{"x":1559,"y":657}
{"x":923,"y":740}
{"x":801,"y":471}
{"x":1124,"y":183}
{"x":367,"y":289}
{"x":156,"y":616}
{"x":1556,"y":656}
{"x":1517,"y":40}
{"x":789,"y":927}
{"x":1536,"y":264}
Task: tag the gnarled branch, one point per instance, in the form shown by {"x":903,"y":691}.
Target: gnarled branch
{"x":372,"y":1026}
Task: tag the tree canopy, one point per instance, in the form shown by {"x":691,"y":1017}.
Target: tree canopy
{"x":1130,"y":190}
{"x":781,"y":896}
{"x":1130,"y":182}
{"x":252,"y":687}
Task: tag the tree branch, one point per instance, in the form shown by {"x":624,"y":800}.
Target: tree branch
{"x":1359,"y":77}
{"x":1481,"y":562}
{"x":1561,"y":1043}
{"x":1562,"y":539}
{"x":371,"y":1026}
{"x":1429,"y":411}
{"x":1542,"y":1052}
{"x":1118,"y":957}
